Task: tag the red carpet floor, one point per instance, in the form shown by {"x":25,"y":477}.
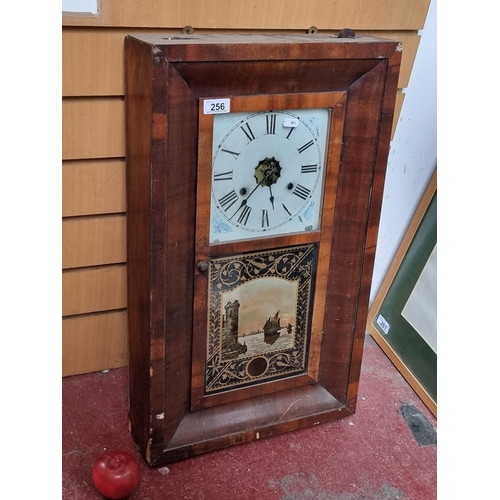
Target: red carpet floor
{"x":372,"y":455}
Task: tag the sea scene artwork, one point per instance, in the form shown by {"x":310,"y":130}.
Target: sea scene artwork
{"x":259,"y":316}
{"x":267,"y":314}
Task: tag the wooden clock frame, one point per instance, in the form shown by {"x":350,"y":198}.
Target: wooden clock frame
{"x":172,"y":415}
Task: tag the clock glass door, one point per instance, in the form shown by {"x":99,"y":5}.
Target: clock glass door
{"x":259,"y":316}
{"x":267,"y":173}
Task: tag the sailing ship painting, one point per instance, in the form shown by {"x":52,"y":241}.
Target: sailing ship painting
{"x":260,"y":317}
{"x":272,"y":329}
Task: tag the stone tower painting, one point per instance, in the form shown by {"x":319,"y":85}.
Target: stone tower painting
{"x":231,"y":348}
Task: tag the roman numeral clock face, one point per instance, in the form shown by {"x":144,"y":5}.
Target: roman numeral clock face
{"x":268,"y":172}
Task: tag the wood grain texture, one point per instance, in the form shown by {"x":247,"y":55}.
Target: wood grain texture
{"x":370,"y":243}
{"x":93,"y":59}
{"x":138,"y":180}
{"x":93,"y":128}
{"x":94,"y":289}
{"x":165,"y":82}
{"x":263,"y":14}
{"x":360,"y":140}
{"x":92,"y":241}
{"x":92,"y":62}
{"x":93,"y":187}
{"x":95,"y":342}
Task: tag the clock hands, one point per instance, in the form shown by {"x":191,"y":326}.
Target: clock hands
{"x":268,"y":174}
{"x":271,"y":198}
{"x":265,"y":167}
{"x":265,"y":179}
{"x":271,"y":170}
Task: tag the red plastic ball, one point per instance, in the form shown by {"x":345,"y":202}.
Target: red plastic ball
{"x":116,"y":474}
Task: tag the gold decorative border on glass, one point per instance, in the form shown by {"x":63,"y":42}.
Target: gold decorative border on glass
{"x":259,"y":316}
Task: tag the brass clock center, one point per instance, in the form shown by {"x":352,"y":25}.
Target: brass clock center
{"x":267,"y":172}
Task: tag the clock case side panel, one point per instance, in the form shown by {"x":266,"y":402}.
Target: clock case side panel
{"x":376,"y":198}
{"x":138,"y":181}
{"x":161,"y":180}
{"x":366,"y":145}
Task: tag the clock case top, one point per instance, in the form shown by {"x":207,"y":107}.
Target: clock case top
{"x":166,"y":76}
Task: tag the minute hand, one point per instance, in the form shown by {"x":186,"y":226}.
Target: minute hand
{"x":244,"y":202}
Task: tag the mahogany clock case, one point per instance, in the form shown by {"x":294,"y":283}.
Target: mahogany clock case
{"x":189,"y":393}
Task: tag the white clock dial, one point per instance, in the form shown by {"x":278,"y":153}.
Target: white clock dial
{"x":268,"y":171}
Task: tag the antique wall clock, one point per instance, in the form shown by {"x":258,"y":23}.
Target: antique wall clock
{"x":255,"y":170}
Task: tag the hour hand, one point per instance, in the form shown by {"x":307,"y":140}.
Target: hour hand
{"x":244,"y":201}
{"x":271,"y":198}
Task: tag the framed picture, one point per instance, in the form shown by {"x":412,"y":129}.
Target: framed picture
{"x":403,"y":316}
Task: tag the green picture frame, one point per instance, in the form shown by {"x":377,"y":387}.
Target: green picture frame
{"x":403,"y":319}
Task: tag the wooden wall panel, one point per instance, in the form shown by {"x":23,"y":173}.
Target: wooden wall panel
{"x":91,"y":241}
{"x":94,"y":289}
{"x":93,"y":128}
{"x":93,"y":187}
{"x":93,"y":59}
{"x":93,"y":125}
{"x":260,"y":14}
{"x":92,"y":62}
{"x":92,"y":343}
